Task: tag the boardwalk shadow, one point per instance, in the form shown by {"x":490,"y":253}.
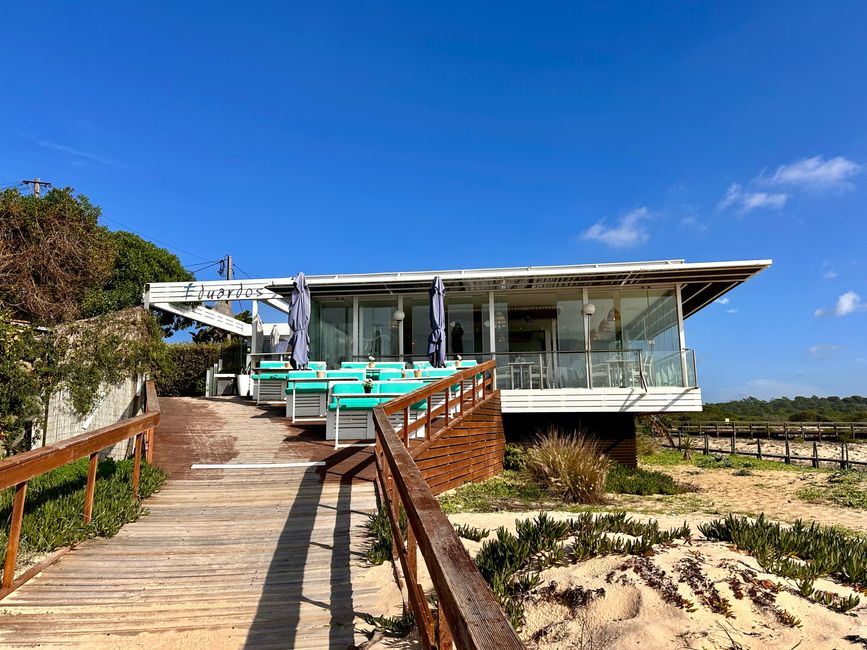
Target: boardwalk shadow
{"x":291,"y":614}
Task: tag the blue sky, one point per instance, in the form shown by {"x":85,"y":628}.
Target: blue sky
{"x":581,"y":132}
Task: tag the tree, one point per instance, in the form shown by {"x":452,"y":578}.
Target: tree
{"x":52,"y":250}
{"x":136,"y":263}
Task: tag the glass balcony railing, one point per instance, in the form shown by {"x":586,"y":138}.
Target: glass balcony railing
{"x":596,"y":369}
{"x":551,"y":369}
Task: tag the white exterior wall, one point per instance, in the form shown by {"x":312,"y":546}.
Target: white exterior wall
{"x":120,"y":401}
{"x":601,"y":400}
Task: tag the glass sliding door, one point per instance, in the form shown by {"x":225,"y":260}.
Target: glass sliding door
{"x":377,"y":329}
{"x":570,"y":360}
{"x":331,"y":331}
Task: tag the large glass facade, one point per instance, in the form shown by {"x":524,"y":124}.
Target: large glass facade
{"x":634,"y":338}
{"x":542,"y":339}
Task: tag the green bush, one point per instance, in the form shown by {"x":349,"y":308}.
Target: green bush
{"x":515,"y":457}
{"x":625,"y":480}
{"x":183,"y":375}
{"x":53,"y":513}
{"x":569,"y":466}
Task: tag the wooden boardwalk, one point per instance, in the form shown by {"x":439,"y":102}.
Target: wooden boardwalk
{"x":264,"y":558}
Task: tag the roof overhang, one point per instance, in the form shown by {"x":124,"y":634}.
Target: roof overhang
{"x":701,"y":282}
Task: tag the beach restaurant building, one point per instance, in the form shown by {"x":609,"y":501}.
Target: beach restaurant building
{"x":586,"y":339}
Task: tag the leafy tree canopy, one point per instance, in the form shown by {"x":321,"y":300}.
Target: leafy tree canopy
{"x":136,"y":263}
{"x":797,"y":409}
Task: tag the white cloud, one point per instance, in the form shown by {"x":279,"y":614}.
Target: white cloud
{"x":747,"y":201}
{"x":816,"y":174}
{"x":722,"y":301}
{"x":78,"y":153}
{"x":847,"y":303}
{"x":628,"y":232}
{"x":823,"y":351}
{"x":829,"y":275}
{"x":733,"y":310}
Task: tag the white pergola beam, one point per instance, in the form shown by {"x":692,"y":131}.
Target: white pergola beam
{"x":206,"y":316}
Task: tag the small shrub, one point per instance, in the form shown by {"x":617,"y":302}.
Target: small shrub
{"x":645,"y":445}
{"x":471,"y":532}
{"x":626,"y":480}
{"x":569,"y":466}
{"x":396,"y":626}
{"x":379,"y":528}
{"x":515,"y":457}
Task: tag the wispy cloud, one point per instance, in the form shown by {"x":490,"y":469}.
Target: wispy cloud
{"x":847,"y":303}
{"x":829,"y":275}
{"x":629,"y":231}
{"x":823,"y":351}
{"x":83,"y":155}
{"x":770,"y":388}
{"x":733,"y":310}
{"x":722,"y":301}
{"x":815,"y":174}
{"x":746,"y":201}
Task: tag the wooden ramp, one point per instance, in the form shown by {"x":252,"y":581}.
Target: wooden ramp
{"x":227,"y":558}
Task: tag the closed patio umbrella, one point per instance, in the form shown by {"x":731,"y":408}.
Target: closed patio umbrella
{"x":436,"y":343}
{"x":299,"y":321}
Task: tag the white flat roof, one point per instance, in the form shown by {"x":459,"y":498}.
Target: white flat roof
{"x":702,"y":282}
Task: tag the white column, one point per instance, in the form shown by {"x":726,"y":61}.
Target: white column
{"x":585,"y":299}
{"x":400,"y":327}
{"x":356,"y":327}
{"x":680,"y":333}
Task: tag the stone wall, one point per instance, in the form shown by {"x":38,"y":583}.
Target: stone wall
{"x":120,"y":401}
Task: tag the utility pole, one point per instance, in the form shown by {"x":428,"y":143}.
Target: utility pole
{"x":225,"y":306}
{"x":37,"y":185}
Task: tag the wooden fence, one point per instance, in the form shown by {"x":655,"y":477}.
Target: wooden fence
{"x":836,"y":431}
{"x":682,"y":441}
{"x":467,"y":611}
{"x":17,"y":470}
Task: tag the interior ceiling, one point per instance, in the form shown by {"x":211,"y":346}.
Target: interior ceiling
{"x":700,"y":285}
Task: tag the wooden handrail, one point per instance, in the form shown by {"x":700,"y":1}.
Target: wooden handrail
{"x":468,"y":612}
{"x":19,"y":469}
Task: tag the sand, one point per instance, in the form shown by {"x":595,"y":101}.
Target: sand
{"x":623,"y":611}
{"x":721,"y":491}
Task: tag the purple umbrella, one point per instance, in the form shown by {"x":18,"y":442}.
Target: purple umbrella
{"x":299,"y":321}
{"x":436,"y":342}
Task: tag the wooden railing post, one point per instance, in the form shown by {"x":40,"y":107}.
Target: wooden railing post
{"x":14,"y":534}
{"x":91,"y":486}
{"x":406,"y":426}
{"x":428,"y":418}
{"x":448,"y":407}
{"x":462,"y":397}
{"x":150,"y":446}
{"x":475,"y":390}
{"x":136,"y":466}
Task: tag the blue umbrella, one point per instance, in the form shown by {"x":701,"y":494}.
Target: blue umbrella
{"x":436,"y":342}
{"x":299,"y":321}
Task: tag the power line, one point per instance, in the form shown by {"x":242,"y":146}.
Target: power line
{"x":203,"y":266}
{"x":164,"y":243}
{"x":243,"y":271}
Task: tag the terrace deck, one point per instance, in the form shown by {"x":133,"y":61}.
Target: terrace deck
{"x":226,"y":558}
